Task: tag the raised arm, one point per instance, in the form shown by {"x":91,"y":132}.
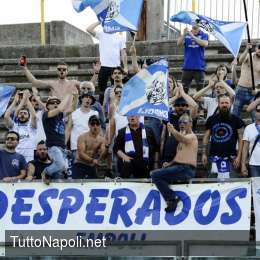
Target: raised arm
{"x":134,"y":59}
{"x":186,"y":139}
{"x":7,"y":117}
{"x":253,"y":105}
{"x":36,"y":83}
{"x":228,"y":89}
{"x":32,"y":112}
{"x":180,"y":40}
{"x":124,"y":60}
{"x":203,"y":43}
{"x":244,"y":56}
{"x":66,"y":102}
{"x":91,"y":28}
{"x":199,"y":94}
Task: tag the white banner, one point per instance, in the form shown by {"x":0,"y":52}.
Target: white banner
{"x":256,"y":199}
{"x":123,"y":206}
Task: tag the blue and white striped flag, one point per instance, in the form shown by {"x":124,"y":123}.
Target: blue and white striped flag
{"x":5,"y":95}
{"x":115,"y":15}
{"x":229,"y":33}
{"x":146,"y":93}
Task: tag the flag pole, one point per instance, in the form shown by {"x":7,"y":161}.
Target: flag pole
{"x":249,"y":41}
{"x":43,"y":41}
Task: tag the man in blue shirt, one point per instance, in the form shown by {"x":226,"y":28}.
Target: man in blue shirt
{"x":12,"y":164}
{"x":194,"y":42}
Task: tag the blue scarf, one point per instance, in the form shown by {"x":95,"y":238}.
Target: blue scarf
{"x":129,"y":145}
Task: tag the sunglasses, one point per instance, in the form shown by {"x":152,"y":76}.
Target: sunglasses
{"x":95,"y":123}
{"x":183,"y":122}
{"x":61,"y":69}
{"x":180,"y":105}
{"x":11,"y":138}
{"x":118,"y":92}
{"x":54,"y":102}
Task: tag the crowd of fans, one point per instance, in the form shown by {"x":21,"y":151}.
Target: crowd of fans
{"x":74,"y":135}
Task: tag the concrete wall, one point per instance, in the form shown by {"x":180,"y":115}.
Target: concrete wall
{"x":57,"y":32}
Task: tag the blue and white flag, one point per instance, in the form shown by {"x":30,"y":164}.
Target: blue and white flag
{"x":114,"y":15}
{"x":146,"y":93}
{"x":229,"y":33}
{"x":5,"y":95}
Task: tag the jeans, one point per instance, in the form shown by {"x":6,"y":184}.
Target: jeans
{"x":83,"y":171}
{"x":58,"y":166}
{"x":163,"y":177}
{"x":243,"y":97}
{"x":254,"y":171}
{"x":156,"y":125}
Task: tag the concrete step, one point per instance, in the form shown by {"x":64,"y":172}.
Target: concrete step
{"x":10,"y":64}
{"x":10,"y":76}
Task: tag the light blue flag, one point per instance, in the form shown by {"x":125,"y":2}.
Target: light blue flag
{"x":5,"y":95}
{"x":146,"y":93}
{"x":115,"y":15}
{"x":229,"y":33}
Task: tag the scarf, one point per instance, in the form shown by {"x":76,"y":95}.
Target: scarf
{"x":129,"y":145}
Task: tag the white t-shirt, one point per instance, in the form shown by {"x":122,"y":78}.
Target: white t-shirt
{"x":110,"y":45}
{"x":250,"y":135}
{"x":26,"y":144}
{"x":210,"y":104}
{"x":79,"y":125}
{"x":40,"y":134}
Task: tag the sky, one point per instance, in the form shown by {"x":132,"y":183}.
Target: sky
{"x":28,"y":11}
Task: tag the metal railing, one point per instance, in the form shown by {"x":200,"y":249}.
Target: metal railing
{"x":227,"y":10}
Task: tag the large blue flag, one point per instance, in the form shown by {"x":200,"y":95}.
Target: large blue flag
{"x":146,"y":93}
{"x":115,"y":15}
{"x":5,"y":95}
{"x":229,"y":33}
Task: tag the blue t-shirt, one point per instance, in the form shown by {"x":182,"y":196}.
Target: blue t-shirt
{"x":11,"y":164}
{"x":194,"y":53}
{"x":54,"y":128}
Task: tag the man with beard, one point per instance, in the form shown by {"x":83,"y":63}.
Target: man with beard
{"x":25,"y":125}
{"x":182,"y":103}
{"x":59,"y":88}
{"x":36,"y":167}
{"x":91,"y":148}
{"x":182,"y":166}
{"x":224,"y":130}
{"x":244,"y":92}
{"x":12,"y":164}
{"x":77,"y":124}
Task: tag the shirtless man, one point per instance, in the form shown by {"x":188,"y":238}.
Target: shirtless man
{"x":91,"y":147}
{"x":182,"y":167}
{"x":59,"y":88}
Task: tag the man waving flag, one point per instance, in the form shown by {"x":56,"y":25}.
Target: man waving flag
{"x":114,"y":15}
{"x":146,"y":93}
{"x":229,"y":33}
